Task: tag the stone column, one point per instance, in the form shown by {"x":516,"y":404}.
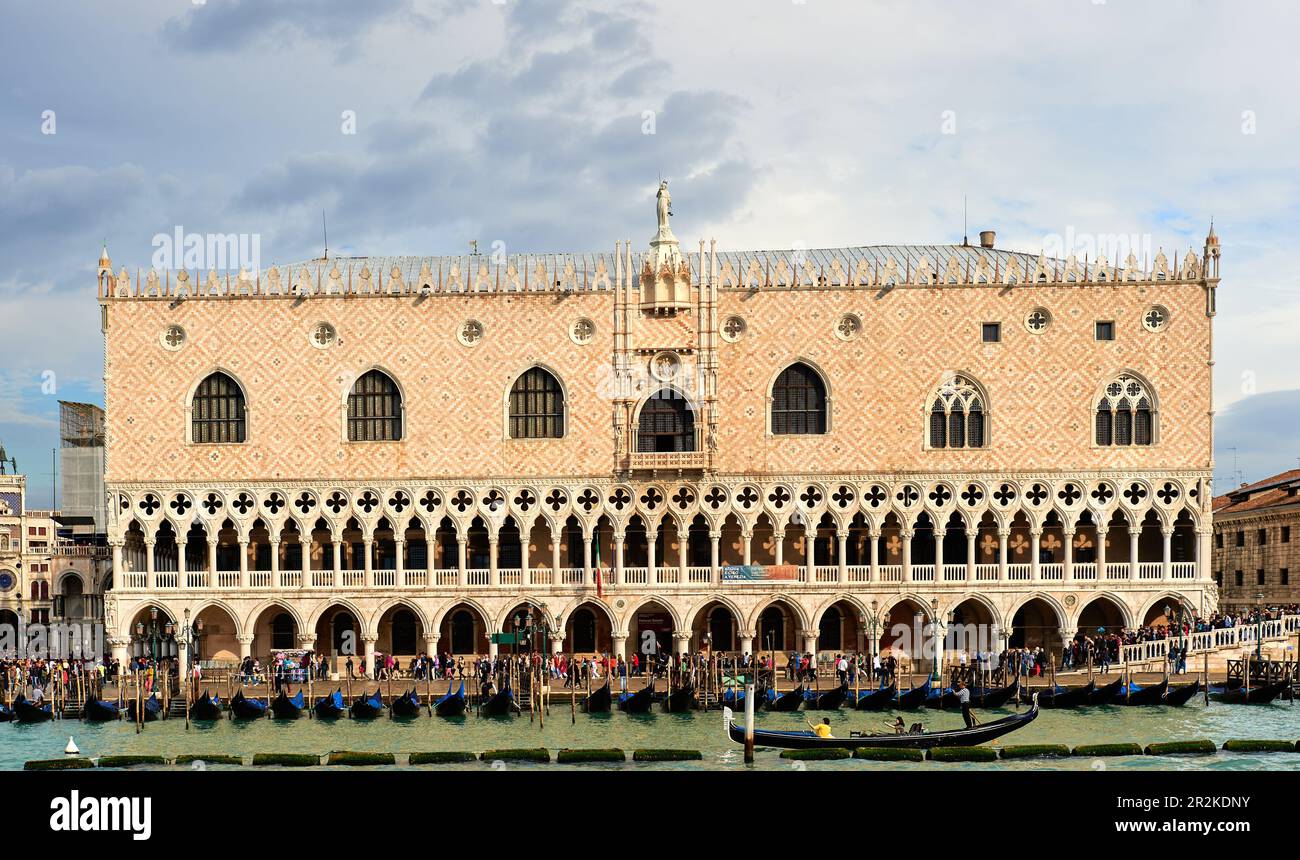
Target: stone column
{"x":399,"y":564}
{"x":906,"y":537}
{"x":715,"y":551}
{"x":525,"y":537}
{"x":431,"y":643}
{"x":305,"y":560}
{"x":587,"y":579}
{"x":843,"y":538}
{"x":746,"y":644}
{"x":747,"y":548}
{"x":620,"y":646}
{"x":778,"y":538}
{"x":493,"y":648}
{"x":1133,"y":553}
{"x":243,"y":562}
{"x":681,"y":642}
{"x":874,"y":575}
{"x":683,"y":557}
{"x":494,"y":574}
{"x":619,"y":538}
{"x":556,"y":540}
{"x":306,"y":641}
{"x":275,"y":562}
{"x":181,"y":573}
{"x":245,"y":645}
{"x":810,"y":550}
{"x":119,"y":572}
{"x":1204,"y":555}
{"x":367,"y":563}
{"x":1069,"y":556}
{"x":809,"y":642}
{"x":368,"y":644}
{"x":970,"y":554}
{"x":651,"y":574}
{"x":1101,"y":552}
{"x":939,"y":535}
{"x":212,"y":563}
{"x":1035,"y":539}
{"x":462,"y":571}
{"x":336,"y":544}
{"x":1167,"y":556}
{"x":150,"y":575}
{"x":121,"y":651}
{"x":1003,"y":534}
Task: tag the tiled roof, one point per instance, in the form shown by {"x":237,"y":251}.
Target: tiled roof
{"x":1278,"y":491}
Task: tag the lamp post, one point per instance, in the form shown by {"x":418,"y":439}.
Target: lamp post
{"x":1259,"y":626}
{"x":936,"y":674}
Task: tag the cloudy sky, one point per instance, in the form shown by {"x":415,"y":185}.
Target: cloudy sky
{"x":419,"y":125}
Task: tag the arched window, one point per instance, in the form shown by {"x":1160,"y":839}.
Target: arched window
{"x":798,"y":402}
{"x":374,"y":409}
{"x":1125,"y":413}
{"x":666,"y":423}
{"x":536,"y":406}
{"x":282,"y":632}
{"x":957,"y":415}
{"x":217,"y":411}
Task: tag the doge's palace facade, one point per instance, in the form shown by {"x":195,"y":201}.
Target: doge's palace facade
{"x":750,"y":449}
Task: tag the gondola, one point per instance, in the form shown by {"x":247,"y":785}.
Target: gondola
{"x":681,"y":699}
{"x":26,"y":712}
{"x":938,"y":698}
{"x":912,"y":699}
{"x":152,"y":709}
{"x":981,"y":697}
{"x":1106,"y":695}
{"x":1066,"y":697}
{"x":877,"y":700}
{"x":6,"y":713}
{"x":452,"y":704}
{"x":368,"y":707}
{"x":786,"y":702}
{"x":406,"y":705}
{"x":244,"y":708}
{"x":1176,"y":697}
{"x":285,"y":708}
{"x":1137,"y":695}
{"x":1257,"y":696}
{"x":735,"y":698}
{"x":330,"y":707}
{"x":828,"y":701}
{"x":982,"y":733}
{"x":502,"y":704}
{"x":638,"y":702}
{"x":206,"y":707}
{"x":98,"y":711}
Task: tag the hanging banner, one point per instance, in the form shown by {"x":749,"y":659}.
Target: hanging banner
{"x":759,"y":572}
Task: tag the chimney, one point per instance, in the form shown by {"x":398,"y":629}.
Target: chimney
{"x":986,"y":238}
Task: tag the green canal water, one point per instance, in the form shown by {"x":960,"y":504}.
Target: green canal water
{"x":697,"y":730}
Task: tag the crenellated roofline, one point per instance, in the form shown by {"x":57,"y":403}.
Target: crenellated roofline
{"x":873,"y":266}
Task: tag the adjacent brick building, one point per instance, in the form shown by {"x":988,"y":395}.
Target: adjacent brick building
{"x":1257,"y":543}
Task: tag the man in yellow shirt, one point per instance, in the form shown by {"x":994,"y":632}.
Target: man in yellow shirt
{"x":822,"y":729}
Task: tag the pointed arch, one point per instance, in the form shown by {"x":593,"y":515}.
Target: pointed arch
{"x":798,"y":401}
{"x":536,"y":405}
{"x":957,"y":412}
{"x":666,"y":422}
{"x":216,"y":410}
{"x":373,"y":409}
{"x":1125,"y":412}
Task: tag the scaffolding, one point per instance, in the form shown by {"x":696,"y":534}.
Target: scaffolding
{"x":81,"y":461}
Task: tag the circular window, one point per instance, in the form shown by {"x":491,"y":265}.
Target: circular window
{"x":323,"y":335}
{"x":7,"y":580}
{"x":582,"y":332}
{"x":733,"y":329}
{"x":1038,"y":320}
{"x":470,"y":333}
{"x":1156,"y":318}
{"x":848,"y":327}
{"x":173,"y":337}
